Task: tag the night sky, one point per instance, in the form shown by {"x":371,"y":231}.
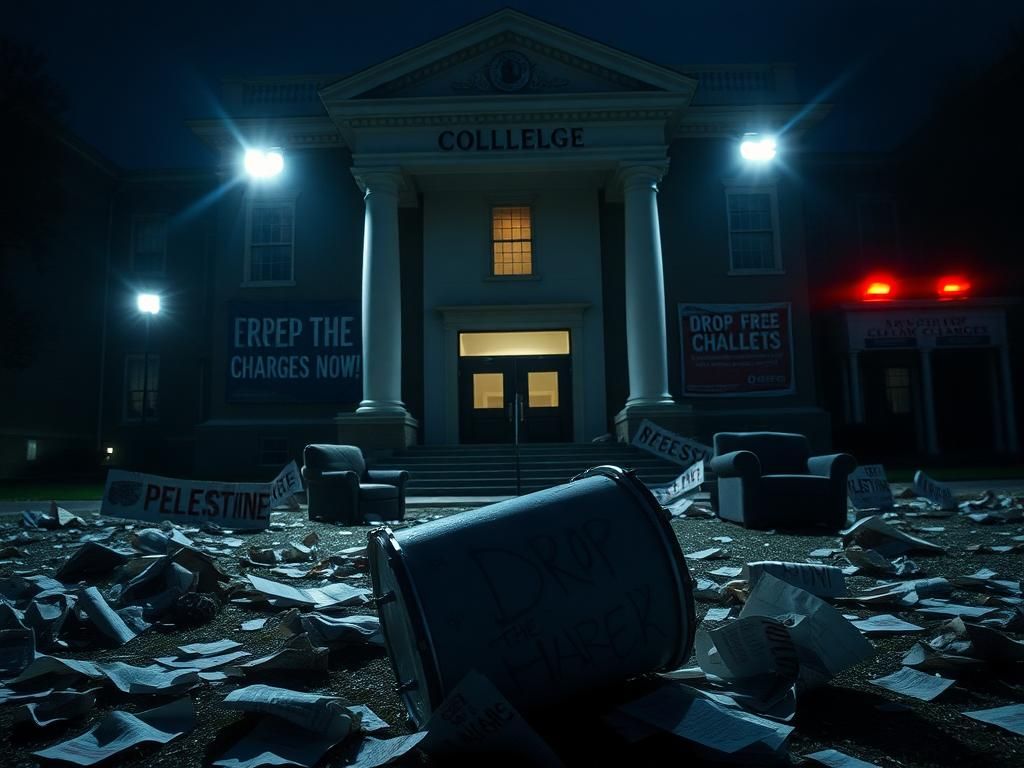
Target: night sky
{"x":136,"y":71}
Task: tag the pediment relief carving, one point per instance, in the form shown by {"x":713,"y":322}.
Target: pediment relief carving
{"x":507,"y":63}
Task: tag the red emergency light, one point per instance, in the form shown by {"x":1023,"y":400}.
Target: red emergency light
{"x":878,"y":288}
{"x":952,"y":287}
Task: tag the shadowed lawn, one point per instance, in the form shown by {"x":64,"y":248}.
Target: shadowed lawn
{"x":38,"y":491}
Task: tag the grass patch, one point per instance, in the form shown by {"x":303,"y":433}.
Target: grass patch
{"x":25,"y":491}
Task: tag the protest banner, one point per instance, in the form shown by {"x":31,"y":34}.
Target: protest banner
{"x":937,"y":493}
{"x":289,"y":351}
{"x":736,"y":350}
{"x":868,"y":487}
{"x":668,"y":445}
{"x":152,"y":498}
{"x":690,"y":479}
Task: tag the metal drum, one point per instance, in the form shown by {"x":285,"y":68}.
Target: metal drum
{"x":548,"y":595}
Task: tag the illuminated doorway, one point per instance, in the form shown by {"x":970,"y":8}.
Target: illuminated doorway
{"x":496,"y":368}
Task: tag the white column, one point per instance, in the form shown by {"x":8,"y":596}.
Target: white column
{"x":856,"y":394}
{"x":382,"y":298}
{"x":1009,"y":408}
{"x":645,"y":289}
{"x":930,"y":436}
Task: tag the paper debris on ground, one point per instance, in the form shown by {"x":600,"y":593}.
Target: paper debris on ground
{"x":298,"y":654}
{"x":329,"y":716}
{"x":91,"y":559}
{"x":833,"y":758}
{"x":201,"y":663}
{"x":103,"y":617}
{"x":917,"y":685}
{"x":285,"y":595}
{"x":57,"y":706}
{"x":374,"y":752}
{"x":336,"y":630}
{"x":1010,"y":717}
{"x":475,"y":717}
{"x":933,"y":607}
{"x":128,"y":678}
{"x":727,"y":571}
{"x":214,"y":648}
{"x":51,"y":665}
{"x":820,"y":580}
{"x":885,"y":623}
{"x":119,"y":731}
{"x":717,"y":614}
{"x":749,"y":647}
{"x":694,"y":717}
{"x":713,"y":553}
{"x":690,"y":479}
{"x":875,"y":533}
{"x":273,"y":741}
{"x":828,"y":643}
{"x":253,"y":624}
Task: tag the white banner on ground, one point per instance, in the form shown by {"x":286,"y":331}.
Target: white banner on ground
{"x":689,"y":480}
{"x":669,"y":445}
{"x":244,"y":506}
{"x":868,"y":487}
{"x":936,"y":492}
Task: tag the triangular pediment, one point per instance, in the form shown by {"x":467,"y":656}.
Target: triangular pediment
{"x":508,"y":53}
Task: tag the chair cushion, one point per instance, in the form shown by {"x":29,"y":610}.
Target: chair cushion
{"x":324,"y":457}
{"x":813,"y":486}
{"x":377,"y":491}
{"x":778,"y":452}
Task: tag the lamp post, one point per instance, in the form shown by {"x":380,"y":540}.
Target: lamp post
{"x":149,"y":305}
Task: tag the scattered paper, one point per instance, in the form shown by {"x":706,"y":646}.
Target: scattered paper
{"x":874,"y":533}
{"x":820,"y":580}
{"x":152,"y":679}
{"x":209,"y":649}
{"x":910,"y":682}
{"x":885,"y":623}
{"x":90,"y":559}
{"x":374,"y":752}
{"x":202,"y":663}
{"x":836,"y":759}
{"x":56,"y":706}
{"x":119,"y":731}
{"x":1010,"y":717}
{"x":714,"y":553}
{"x":475,"y":717}
{"x":717,"y":614}
{"x":727,"y":571}
{"x":868,"y":488}
{"x":253,"y":624}
{"x":298,"y":655}
{"x":285,"y":595}
{"x":103,"y":617}
{"x":328,"y":716}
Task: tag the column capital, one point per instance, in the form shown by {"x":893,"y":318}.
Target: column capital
{"x":387,"y":180}
{"x":633,"y":175}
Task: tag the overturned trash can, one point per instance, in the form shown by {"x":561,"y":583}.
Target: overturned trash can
{"x":548,"y":595}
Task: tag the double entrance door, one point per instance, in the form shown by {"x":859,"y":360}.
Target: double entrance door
{"x":504,"y":395}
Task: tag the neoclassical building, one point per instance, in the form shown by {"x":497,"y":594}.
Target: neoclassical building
{"x":509,"y":230}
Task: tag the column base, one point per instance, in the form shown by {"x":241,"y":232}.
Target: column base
{"x":668,"y":415}
{"x":377,"y":432}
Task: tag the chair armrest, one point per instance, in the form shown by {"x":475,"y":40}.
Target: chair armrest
{"x":743,"y":464}
{"x":835,"y":466}
{"x":397,"y":477}
{"x":342,"y":477}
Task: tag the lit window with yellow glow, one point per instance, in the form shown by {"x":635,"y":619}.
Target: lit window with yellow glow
{"x":512,"y":238}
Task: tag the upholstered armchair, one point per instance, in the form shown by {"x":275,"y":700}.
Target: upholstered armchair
{"x":770,"y":480}
{"x":340,"y":488}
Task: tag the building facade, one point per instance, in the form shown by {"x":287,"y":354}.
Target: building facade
{"x":510,"y":230}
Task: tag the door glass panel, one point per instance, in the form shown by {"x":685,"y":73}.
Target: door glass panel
{"x":512,"y":343}
{"x":488,"y":390}
{"x":543,"y":389}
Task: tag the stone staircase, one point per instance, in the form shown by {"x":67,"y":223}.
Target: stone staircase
{"x":490,"y":470}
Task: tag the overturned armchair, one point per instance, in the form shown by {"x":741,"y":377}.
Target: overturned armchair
{"x":341,"y":488}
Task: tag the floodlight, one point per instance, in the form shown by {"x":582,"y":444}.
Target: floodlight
{"x":757,"y":148}
{"x":148,"y":303}
{"x":263,"y":163}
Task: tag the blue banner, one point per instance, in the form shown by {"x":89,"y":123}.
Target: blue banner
{"x":294,"y":352}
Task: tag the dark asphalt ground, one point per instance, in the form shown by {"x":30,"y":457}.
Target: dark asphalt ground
{"x":848,"y":714}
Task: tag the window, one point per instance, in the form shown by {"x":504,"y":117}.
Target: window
{"x":753,"y":230}
{"x":488,"y":390}
{"x":897,"y":390}
{"x":542,"y":389}
{"x":273,"y":451}
{"x":271,"y":243}
{"x":512,"y":240}
{"x":149,"y":244}
{"x":31,"y":450}
{"x":140,"y":384}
